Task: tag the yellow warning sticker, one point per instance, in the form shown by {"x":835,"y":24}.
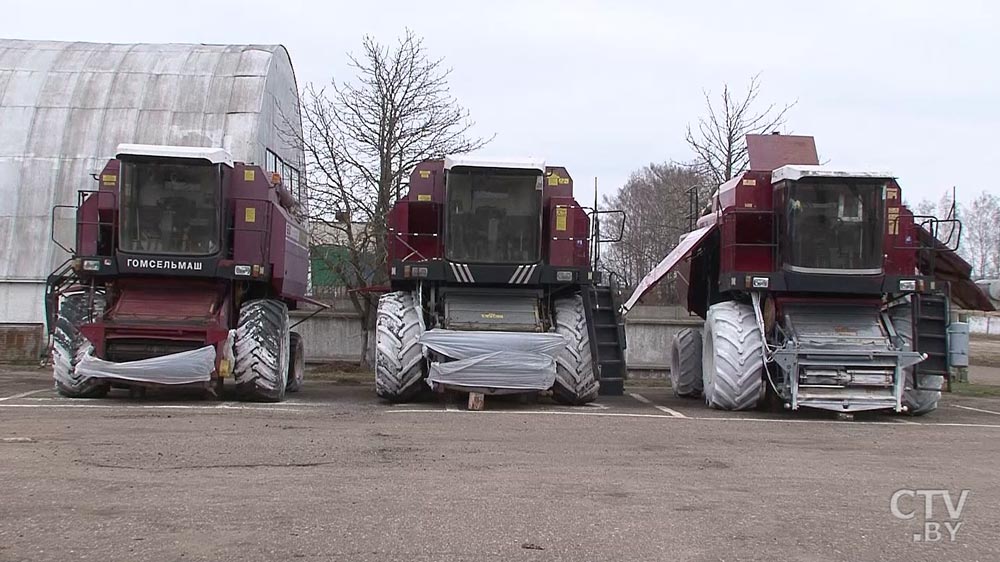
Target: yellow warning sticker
{"x":893,"y":226}
{"x":248,"y":175}
{"x":554,"y":179}
{"x":423,"y":197}
{"x":750,"y":182}
{"x":425,"y":174}
{"x":563,"y":181}
{"x":109,"y":178}
{"x":251,"y":214}
{"x":560,"y":218}
{"x":892,"y":193}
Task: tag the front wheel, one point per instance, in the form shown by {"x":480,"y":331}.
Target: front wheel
{"x":685,"y":364}
{"x":69,"y":347}
{"x":296,"y":363}
{"x":399,"y":357}
{"x":576,"y":379}
{"x":921,"y":401}
{"x":732,"y":357}
{"x":262,"y":351}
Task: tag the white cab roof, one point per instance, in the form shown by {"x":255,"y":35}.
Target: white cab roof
{"x":213,"y":155}
{"x":474,"y":161}
{"x":798,"y":171}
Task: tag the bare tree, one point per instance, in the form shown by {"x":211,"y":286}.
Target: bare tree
{"x":719,"y":140}
{"x":981,"y":235}
{"x":361,"y":139}
{"x":655,"y":200}
{"x":925,"y":207}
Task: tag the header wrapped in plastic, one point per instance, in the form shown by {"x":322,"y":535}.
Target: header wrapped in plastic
{"x":493,"y":360}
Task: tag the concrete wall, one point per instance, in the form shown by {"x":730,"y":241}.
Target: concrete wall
{"x":329,"y":336}
{"x":336,"y":336}
{"x":21,"y":342}
{"x":984,"y":323}
{"x":649,"y":331}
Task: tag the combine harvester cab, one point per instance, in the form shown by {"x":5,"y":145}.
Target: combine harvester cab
{"x":492,"y":288}
{"x":184,"y":269}
{"x":818,"y":286}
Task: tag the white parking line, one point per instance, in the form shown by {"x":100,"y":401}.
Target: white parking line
{"x":23,"y":394}
{"x":645,"y":400}
{"x":688,"y":418}
{"x":977,"y":410}
{"x":532,"y":412}
{"x":259,"y":407}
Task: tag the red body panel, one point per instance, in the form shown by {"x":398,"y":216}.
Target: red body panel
{"x":567,"y":233}
{"x":747,"y":222}
{"x":901,"y":240}
{"x":167,"y":309}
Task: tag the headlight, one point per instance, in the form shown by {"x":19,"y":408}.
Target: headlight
{"x":564,"y":276}
{"x":91,"y":265}
{"x":907,"y":284}
{"x":761,"y":282}
{"x":242,"y":270}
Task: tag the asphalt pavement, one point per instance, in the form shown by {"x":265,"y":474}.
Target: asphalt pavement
{"x":335,"y":474}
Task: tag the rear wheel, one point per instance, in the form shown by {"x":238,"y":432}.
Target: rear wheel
{"x":576,"y":381}
{"x":262,"y":351}
{"x":296,"y":362}
{"x":732,"y":357}
{"x":917,"y":402}
{"x":685,"y":363}
{"x":399,"y":357}
{"x":69,"y":347}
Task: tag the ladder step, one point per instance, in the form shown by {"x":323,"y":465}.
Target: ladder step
{"x":614,"y":386}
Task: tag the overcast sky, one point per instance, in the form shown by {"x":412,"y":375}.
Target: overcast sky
{"x":607,"y":87}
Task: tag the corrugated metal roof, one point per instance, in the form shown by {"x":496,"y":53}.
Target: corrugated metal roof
{"x":65,"y":107}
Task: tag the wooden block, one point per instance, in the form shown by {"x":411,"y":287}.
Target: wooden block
{"x":476,"y":401}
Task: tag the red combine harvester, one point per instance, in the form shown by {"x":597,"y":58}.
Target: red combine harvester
{"x":819,"y":286}
{"x":493,"y":289}
{"x":184,"y":269}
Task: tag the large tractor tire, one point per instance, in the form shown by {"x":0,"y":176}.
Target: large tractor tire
{"x":576,"y":382}
{"x":262,"y":351}
{"x":69,"y":346}
{"x":399,"y":357}
{"x":296,"y":363}
{"x":685,"y":363}
{"x":917,"y":402}
{"x":732,"y":357}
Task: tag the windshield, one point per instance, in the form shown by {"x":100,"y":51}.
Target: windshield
{"x":833,"y":226}
{"x":170,"y":208}
{"x":494,"y":216}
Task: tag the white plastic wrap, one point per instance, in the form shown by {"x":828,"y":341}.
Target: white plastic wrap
{"x":494,"y":360}
{"x":177,"y":368}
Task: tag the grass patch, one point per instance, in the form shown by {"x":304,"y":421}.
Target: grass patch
{"x":969,"y":389}
{"x":339,"y":376}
